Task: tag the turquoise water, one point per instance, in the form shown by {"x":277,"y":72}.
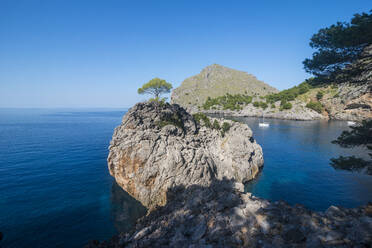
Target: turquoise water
{"x":55,"y":190}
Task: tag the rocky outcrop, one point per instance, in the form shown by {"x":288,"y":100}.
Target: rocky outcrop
{"x":216,"y":80}
{"x":354,"y":102}
{"x":220,"y":215}
{"x":160,"y":146}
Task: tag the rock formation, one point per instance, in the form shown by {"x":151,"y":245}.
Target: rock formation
{"x":190,"y":176}
{"x":221,"y":216}
{"x":159,"y":146}
{"x":216,"y":80}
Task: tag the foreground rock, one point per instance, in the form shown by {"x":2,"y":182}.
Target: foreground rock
{"x":160,"y":146}
{"x":221,"y":216}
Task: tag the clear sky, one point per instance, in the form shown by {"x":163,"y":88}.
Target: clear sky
{"x":97,"y":53}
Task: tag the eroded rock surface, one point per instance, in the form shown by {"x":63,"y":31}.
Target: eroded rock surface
{"x":220,"y":215}
{"x":160,"y":146}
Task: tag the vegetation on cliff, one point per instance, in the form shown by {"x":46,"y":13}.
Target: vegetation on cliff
{"x":228,"y":101}
{"x":203,"y":120}
{"x":317,"y":106}
{"x":289,"y":94}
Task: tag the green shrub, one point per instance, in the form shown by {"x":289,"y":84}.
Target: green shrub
{"x":256,"y":104}
{"x":225,"y":128}
{"x":174,"y":120}
{"x":285,"y":105}
{"x":228,"y":101}
{"x":319,"y":95}
{"x":289,"y":94}
{"x":216,"y":125}
{"x":317,"y":106}
{"x":263,"y":105}
{"x":198,"y":117}
{"x":272,"y":105}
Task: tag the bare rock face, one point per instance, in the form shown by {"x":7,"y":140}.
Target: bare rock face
{"x":161,"y":146}
{"x":354,"y":102}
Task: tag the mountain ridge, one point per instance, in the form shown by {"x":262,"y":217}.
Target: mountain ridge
{"x":216,"y":80}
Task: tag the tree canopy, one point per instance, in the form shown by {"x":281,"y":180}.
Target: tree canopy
{"x":155,"y":87}
{"x":339,"y":45}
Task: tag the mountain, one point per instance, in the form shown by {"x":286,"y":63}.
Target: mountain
{"x":217,"y":80}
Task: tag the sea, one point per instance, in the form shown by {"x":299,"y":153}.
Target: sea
{"x":56,"y":191}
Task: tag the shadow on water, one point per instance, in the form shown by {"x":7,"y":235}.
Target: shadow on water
{"x":125,"y":210}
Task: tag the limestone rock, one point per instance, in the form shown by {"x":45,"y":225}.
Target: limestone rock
{"x":159,"y":146}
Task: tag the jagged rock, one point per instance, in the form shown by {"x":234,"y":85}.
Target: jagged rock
{"x":159,"y":146}
{"x":266,"y":224}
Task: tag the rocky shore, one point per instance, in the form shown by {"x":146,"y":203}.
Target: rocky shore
{"x":220,"y":215}
{"x":353,"y":102}
{"x":298,"y":112}
{"x":190,"y":175}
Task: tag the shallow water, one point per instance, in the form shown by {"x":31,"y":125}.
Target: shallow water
{"x":55,"y":189}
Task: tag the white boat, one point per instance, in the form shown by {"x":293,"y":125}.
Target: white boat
{"x":263,"y":123}
{"x":351,"y":123}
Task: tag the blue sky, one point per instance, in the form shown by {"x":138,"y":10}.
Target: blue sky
{"x":97,"y":53}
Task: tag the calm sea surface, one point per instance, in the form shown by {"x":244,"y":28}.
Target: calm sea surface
{"x":55,"y":189}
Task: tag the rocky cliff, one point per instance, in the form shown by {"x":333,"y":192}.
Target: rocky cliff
{"x":216,"y":80}
{"x":354,"y":96}
{"x":159,"y":146}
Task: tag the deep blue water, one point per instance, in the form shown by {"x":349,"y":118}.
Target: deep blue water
{"x":296,"y":165}
{"x":55,"y":189}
